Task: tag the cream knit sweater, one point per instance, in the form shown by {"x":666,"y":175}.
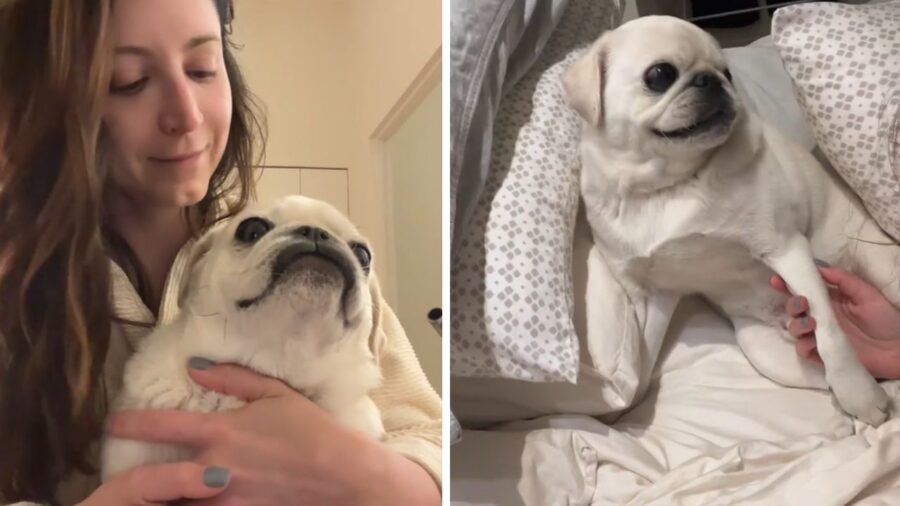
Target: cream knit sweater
{"x":410,"y":408}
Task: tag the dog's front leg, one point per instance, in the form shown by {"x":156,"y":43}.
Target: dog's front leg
{"x":856,"y":390}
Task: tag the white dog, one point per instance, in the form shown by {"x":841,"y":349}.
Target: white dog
{"x":286,"y":290}
{"x":687,"y":192}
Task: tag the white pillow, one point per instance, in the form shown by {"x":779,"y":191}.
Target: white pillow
{"x":492,"y":43}
{"x":845,"y":64}
{"x":511,"y":289}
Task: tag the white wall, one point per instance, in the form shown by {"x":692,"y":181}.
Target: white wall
{"x":295,"y":60}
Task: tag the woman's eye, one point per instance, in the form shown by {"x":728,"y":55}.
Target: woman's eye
{"x":202,"y":75}
{"x":129,"y":88}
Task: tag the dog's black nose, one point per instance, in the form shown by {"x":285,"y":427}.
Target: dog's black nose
{"x":706,"y":80}
{"x":314,"y":234}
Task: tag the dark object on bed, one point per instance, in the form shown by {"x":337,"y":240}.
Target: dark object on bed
{"x":735,"y":13}
{"x":702,"y":8}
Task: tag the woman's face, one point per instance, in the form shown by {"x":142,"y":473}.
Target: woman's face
{"x":169,"y":107}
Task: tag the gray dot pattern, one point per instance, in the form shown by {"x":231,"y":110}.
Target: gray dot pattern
{"x":845,"y":64}
{"x":511,"y":286}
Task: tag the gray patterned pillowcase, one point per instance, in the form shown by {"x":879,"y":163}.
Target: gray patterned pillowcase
{"x":511,"y":287}
{"x":845,"y":64}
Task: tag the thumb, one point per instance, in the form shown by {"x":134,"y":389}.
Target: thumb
{"x":777,"y":282}
{"x":806,"y":348}
{"x":235,"y":380}
{"x":849,"y":284}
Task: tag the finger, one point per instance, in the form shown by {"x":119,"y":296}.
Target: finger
{"x":796,"y":306}
{"x":158,"y":483}
{"x":238,"y":382}
{"x":777,"y":282}
{"x":849,"y":284}
{"x":800,"y":327}
{"x":162,"y":426}
{"x":806,"y":348}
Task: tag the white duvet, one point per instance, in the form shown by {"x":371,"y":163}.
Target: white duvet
{"x":710,"y":431}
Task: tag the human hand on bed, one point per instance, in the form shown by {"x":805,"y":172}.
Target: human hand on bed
{"x":870,"y":321}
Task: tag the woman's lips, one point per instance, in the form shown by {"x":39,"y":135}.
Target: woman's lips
{"x":187,"y":157}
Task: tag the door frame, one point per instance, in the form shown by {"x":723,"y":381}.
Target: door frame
{"x":424,"y":83}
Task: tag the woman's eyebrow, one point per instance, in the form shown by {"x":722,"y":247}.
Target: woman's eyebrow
{"x":191,"y":44}
{"x":199,"y":41}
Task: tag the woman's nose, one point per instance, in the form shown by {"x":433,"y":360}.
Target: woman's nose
{"x":180,"y":111}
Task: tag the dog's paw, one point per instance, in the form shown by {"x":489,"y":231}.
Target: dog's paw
{"x":861,"y":397}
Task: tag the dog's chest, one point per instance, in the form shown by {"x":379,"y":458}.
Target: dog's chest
{"x":685,"y":243}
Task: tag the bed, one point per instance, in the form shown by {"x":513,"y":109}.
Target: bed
{"x":703,"y":427}
{"x":710,"y":430}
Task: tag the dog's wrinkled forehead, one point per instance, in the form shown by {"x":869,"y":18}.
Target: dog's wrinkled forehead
{"x":654,"y":39}
{"x":299,"y":210}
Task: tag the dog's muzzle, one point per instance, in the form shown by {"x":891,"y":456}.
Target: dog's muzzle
{"x":305,"y":242}
{"x":717,"y":109}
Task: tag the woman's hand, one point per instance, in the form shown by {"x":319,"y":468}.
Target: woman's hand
{"x":871,"y":322}
{"x":280,"y":447}
{"x":158,"y":484}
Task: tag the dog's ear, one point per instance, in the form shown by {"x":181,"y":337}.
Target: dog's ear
{"x":377,"y":338}
{"x":198,"y":254}
{"x":583,"y":83}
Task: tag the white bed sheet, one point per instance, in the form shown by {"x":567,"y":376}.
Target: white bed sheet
{"x":711,"y":430}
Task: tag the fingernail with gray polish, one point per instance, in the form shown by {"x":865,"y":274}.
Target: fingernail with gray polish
{"x":821,"y":263}
{"x":804,"y":322}
{"x":216,"y":477}
{"x":200,"y":363}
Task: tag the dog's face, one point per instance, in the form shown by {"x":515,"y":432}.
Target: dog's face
{"x":655,"y":84}
{"x":294,"y":269}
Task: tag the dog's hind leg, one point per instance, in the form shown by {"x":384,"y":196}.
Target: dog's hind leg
{"x":848,"y":237}
{"x":875,"y":257}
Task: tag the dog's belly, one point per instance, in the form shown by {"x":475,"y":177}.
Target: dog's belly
{"x":163,"y":392}
{"x":695,"y":263}
{"x":154,"y":379}
{"x":720,"y":269}
{"x":120,"y":455}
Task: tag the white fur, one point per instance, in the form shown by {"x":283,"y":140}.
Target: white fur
{"x":302,"y":334}
{"x":720,"y":213}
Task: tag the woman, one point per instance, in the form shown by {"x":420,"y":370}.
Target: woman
{"x":871,"y":322}
{"x":123,"y":126}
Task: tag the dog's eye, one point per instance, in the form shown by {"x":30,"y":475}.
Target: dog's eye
{"x":363,"y":255}
{"x":727,"y":75}
{"x":251,"y":229}
{"x":660,"y":77}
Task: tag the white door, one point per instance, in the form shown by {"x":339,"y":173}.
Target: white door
{"x":329,"y":185}
{"x":413,"y":180}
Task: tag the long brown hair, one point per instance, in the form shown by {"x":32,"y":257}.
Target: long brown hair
{"x":55,"y":298}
